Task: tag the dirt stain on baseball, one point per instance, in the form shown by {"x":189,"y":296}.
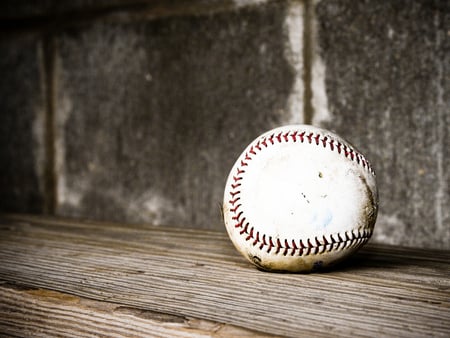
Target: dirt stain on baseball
{"x":370,"y":209}
{"x":257,"y":261}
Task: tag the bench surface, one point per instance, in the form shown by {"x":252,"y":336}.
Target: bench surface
{"x":74,"y":278}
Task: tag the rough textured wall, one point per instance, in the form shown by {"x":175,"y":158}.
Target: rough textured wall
{"x":387,"y":71}
{"x":22,"y":120}
{"x":136,"y":111}
{"x":151,"y":114}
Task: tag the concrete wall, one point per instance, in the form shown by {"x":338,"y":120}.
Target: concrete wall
{"x":136,"y":110}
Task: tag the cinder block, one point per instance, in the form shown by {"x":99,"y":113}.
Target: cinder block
{"x":386,"y":79}
{"x":151,"y":115}
{"x":22,"y":117}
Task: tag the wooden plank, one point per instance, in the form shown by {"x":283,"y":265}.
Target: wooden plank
{"x":44,"y":313}
{"x":381,"y":291}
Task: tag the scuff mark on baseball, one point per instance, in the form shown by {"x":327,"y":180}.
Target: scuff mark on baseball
{"x":300,"y":198}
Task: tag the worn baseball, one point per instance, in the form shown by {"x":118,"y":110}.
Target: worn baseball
{"x":300,"y":198}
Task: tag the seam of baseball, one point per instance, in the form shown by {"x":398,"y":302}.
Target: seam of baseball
{"x":336,"y":241}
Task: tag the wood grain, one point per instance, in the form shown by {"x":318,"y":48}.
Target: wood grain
{"x":44,"y":313}
{"x":381,"y":291}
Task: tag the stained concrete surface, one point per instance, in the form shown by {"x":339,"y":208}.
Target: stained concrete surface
{"x":152,"y":115}
{"x":387,"y":67}
{"x":22,"y":116}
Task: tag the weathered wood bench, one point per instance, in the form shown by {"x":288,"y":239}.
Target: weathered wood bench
{"x":72,"y":278}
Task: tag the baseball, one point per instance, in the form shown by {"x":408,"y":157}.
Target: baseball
{"x":300,"y":198}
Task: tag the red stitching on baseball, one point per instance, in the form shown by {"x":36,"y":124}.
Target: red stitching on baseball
{"x":317,"y":139}
{"x":294,"y":248}
{"x":263,"y":242}
{"x":236,"y":218}
{"x":234,"y":210}
{"x":241,"y":222}
{"x":232,"y":202}
{"x":301,"y":136}
{"x":336,"y":240}
{"x":332,"y":145}
{"x":317,"y":242}
{"x":271,"y":245}
{"x":250,"y":234}
{"x":256,"y":238}
{"x":347,"y":238}
{"x":278,"y":246}
{"x":234,"y":193}
{"x":257,"y":146}
{"x":294,"y":136}
{"x":279,"y":137}
{"x":244,"y":230}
